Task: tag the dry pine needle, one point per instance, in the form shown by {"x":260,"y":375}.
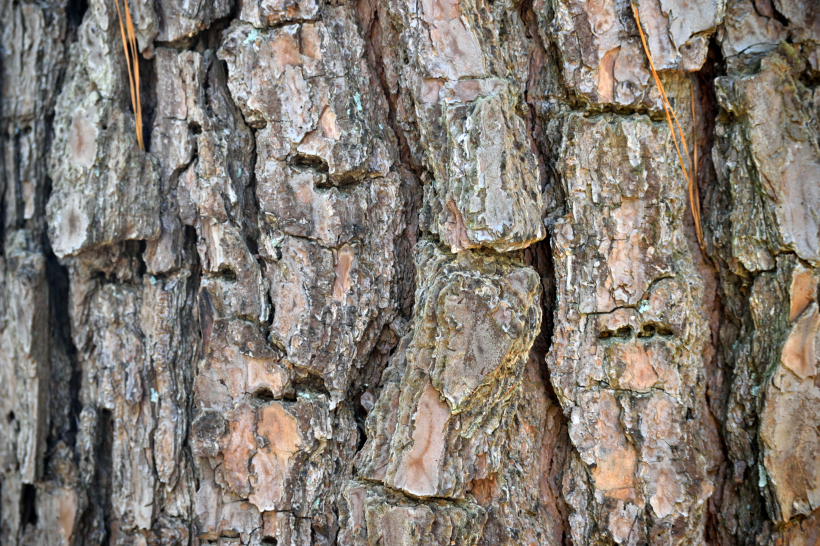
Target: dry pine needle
{"x":689,"y":174}
{"x":129,"y":45}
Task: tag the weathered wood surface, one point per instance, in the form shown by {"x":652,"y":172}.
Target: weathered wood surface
{"x":401,"y":273}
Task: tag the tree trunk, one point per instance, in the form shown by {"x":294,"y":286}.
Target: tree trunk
{"x":399,"y":273}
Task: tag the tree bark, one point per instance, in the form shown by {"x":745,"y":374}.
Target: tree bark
{"x":394,"y":273}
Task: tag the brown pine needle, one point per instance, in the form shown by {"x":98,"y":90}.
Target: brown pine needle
{"x":691,"y":179}
{"x":694,"y":185}
{"x":129,"y":45}
{"x":135,"y":56}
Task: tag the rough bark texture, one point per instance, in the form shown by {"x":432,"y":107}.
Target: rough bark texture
{"x":397,"y":273}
